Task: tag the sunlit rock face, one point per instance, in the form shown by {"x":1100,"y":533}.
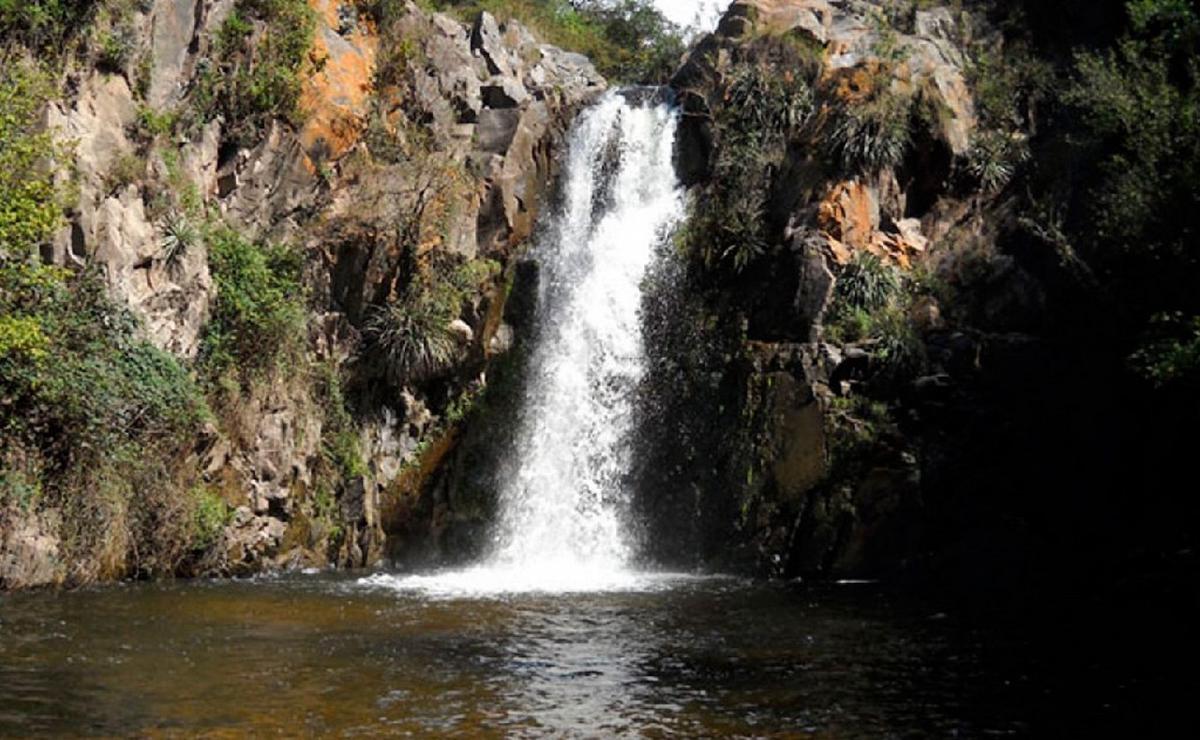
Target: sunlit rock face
{"x":486,"y":112}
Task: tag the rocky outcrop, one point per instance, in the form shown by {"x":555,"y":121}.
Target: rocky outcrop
{"x":786,"y":444}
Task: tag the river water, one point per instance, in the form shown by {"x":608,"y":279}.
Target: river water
{"x":335,"y":654}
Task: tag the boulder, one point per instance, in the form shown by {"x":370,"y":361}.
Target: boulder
{"x":29,"y":552}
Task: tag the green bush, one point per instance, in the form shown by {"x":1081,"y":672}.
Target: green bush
{"x":762,"y":111}
{"x":104,"y":384}
{"x":340,"y":444}
{"x":410,"y":337}
{"x":179,"y":235}
{"x":210,"y":514}
{"x":994,"y":159}
{"x":865,"y":137}
{"x":1170,"y":351}
{"x":116,"y":39}
{"x":257,"y":79}
{"x":94,"y":418}
{"x":870,"y":305}
{"x":126,"y":170}
{"x":1146,"y":129}
{"x":29,"y":208}
{"x":258,"y":314}
{"x":897,"y":349}
{"x":43,"y":25}
{"x":867,"y":283}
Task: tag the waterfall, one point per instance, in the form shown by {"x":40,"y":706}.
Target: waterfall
{"x":563,"y":502}
{"x":562,"y":505}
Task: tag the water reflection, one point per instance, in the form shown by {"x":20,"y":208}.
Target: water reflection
{"x":579,"y":669}
{"x":326,"y":655}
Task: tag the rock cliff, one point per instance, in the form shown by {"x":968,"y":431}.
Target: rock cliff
{"x":406,"y":172}
{"x":808,"y":312}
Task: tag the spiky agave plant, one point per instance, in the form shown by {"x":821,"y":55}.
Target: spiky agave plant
{"x":866,"y":137}
{"x":768,"y":102}
{"x":412,"y":336}
{"x":867,"y":282}
{"x":178,"y":236}
{"x":994,"y":159}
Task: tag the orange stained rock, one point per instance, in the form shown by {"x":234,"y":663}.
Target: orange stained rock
{"x":336,"y":95}
{"x":848,"y":218}
{"x":856,"y":84}
{"x":849,"y":214}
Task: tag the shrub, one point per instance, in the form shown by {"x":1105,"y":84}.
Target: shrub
{"x":179,"y":235}
{"x":210,"y":514}
{"x":98,"y":430}
{"x":867,"y":283}
{"x":340,"y":441}
{"x":152,"y":123}
{"x":897,"y":349}
{"x":43,"y":25}
{"x":125,"y":170}
{"x":1146,"y":130}
{"x":258,"y":313}
{"x":29,"y":208}
{"x":116,"y":39}
{"x":256,"y":80}
{"x":1170,"y":351}
{"x":762,"y":111}
{"x":868,"y":136}
{"x":412,"y":335}
{"x":870,"y":306}
{"x":994,"y":159}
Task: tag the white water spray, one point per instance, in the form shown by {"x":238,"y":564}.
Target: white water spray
{"x":563,"y":505}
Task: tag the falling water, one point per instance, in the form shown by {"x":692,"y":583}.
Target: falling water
{"x":562,"y":507}
{"x":563,"y":503}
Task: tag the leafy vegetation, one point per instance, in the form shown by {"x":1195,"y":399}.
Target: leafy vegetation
{"x":93,"y":417}
{"x":29,"y":208}
{"x":1170,"y":353}
{"x":867,"y":283}
{"x":1114,"y":112}
{"x":870,"y":305}
{"x":411,"y":337}
{"x":262,"y":51}
{"x":116,"y":39}
{"x":867,"y":136}
{"x":209,"y":517}
{"x":258,"y":314}
{"x":340,"y":444}
{"x":43,"y":25}
{"x":762,"y":112}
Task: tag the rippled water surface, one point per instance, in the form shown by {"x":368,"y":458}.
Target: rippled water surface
{"x":310,"y":655}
